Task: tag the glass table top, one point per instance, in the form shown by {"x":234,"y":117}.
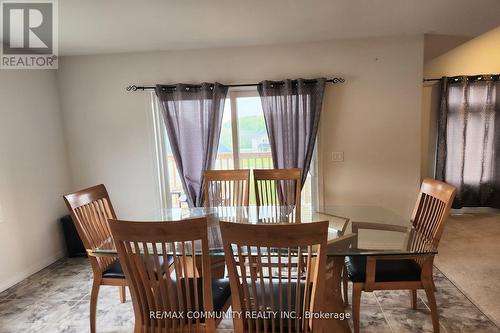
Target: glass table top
{"x":353,"y":230}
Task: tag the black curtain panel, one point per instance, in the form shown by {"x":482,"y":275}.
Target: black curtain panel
{"x":292,"y":110}
{"x":193,"y":118}
{"x":468,"y":150}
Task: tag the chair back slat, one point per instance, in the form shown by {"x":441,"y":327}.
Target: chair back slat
{"x":90,"y":210}
{"x":432,"y":208}
{"x":278,"y":187}
{"x":178,"y":289}
{"x":226,"y":188}
{"x":276,"y":274}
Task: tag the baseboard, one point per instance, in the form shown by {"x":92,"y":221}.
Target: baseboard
{"x":4,"y":285}
{"x":475,"y":210}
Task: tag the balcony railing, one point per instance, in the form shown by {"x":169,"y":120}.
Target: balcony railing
{"x":225,"y":161}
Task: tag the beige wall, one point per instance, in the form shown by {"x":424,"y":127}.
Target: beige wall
{"x":374,"y":118}
{"x":430,"y":108}
{"x":480,"y":55}
{"x":33,"y":173}
{"x":436,"y":45}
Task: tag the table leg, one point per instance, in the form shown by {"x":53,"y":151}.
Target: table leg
{"x":333,"y":299}
{"x":218,"y":267}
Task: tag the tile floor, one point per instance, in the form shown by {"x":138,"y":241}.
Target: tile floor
{"x":56,"y":300}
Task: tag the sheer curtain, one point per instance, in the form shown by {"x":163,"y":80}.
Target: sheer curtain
{"x":193,"y":119}
{"x":292,"y":110}
{"x":468,"y":151}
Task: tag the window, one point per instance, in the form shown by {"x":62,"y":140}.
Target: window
{"x":243,"y":144}
{"x":468,"y":140}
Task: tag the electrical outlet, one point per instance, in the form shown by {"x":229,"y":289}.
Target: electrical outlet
{"x":338,"y":156}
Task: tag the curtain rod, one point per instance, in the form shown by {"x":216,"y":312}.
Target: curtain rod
{"x":474,"y":77}
{"x":135,"y":88}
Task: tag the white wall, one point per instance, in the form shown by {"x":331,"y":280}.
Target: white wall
{"x":374,"y":117}
{"x":33,"y":173}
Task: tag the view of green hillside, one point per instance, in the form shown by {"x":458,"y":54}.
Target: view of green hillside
{"x":247,"y":126}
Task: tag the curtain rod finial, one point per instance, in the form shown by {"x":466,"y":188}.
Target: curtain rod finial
{"x":337,"y":80}
{"x":132,"y":88}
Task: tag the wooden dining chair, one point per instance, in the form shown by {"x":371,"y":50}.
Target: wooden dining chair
{"x":278,"y":187}
{"x":170,"y":298}
{"x":90,"y":209}
{"x":266,"y":274}
{"x":407,"y":272}
{"x":226,"y":188}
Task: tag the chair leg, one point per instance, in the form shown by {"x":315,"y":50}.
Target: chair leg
{"x":122,"y":294}
{"x":138,"y":327}
{"x":432,"y":279}
{"x":356,"y":304}
{"x":94,"y":294}
{"x":429,"y":291}
{"x":345,"y":280}
{"x":413,"y":295}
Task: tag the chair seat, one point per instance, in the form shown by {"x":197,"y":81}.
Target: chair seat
{"x":115,"y":271}
{"x":287,"y":304}
{"x":276,"y":292}
{"x":221,"y":292}
{"x":385,"y":270}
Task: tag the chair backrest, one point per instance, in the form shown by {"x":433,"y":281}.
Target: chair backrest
{"x":279,"y":268}
{"x":177,"y":289}
{"x":90,"y":210}
{"x":226,"y":188}
{"x":432,"y":208}
{"x":277,"y":187}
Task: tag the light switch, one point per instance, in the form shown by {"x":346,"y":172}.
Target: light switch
{"x":338,"y":156}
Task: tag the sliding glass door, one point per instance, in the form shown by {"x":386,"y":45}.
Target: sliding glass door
{"x":243,"y":144}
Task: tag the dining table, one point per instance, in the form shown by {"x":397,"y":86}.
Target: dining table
{"x":353,"y":231}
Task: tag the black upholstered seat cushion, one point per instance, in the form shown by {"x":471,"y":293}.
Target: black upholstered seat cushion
{"x":276,"y":292}
{"x":385,"y":270}
{"x":115,"y":270}
{"x":286,"y":304}
{"x":221,"y":292}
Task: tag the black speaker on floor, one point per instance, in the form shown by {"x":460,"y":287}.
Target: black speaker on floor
{"x":74,"y":244}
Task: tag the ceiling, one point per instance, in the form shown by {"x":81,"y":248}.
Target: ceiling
{"x":109,"y":26}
